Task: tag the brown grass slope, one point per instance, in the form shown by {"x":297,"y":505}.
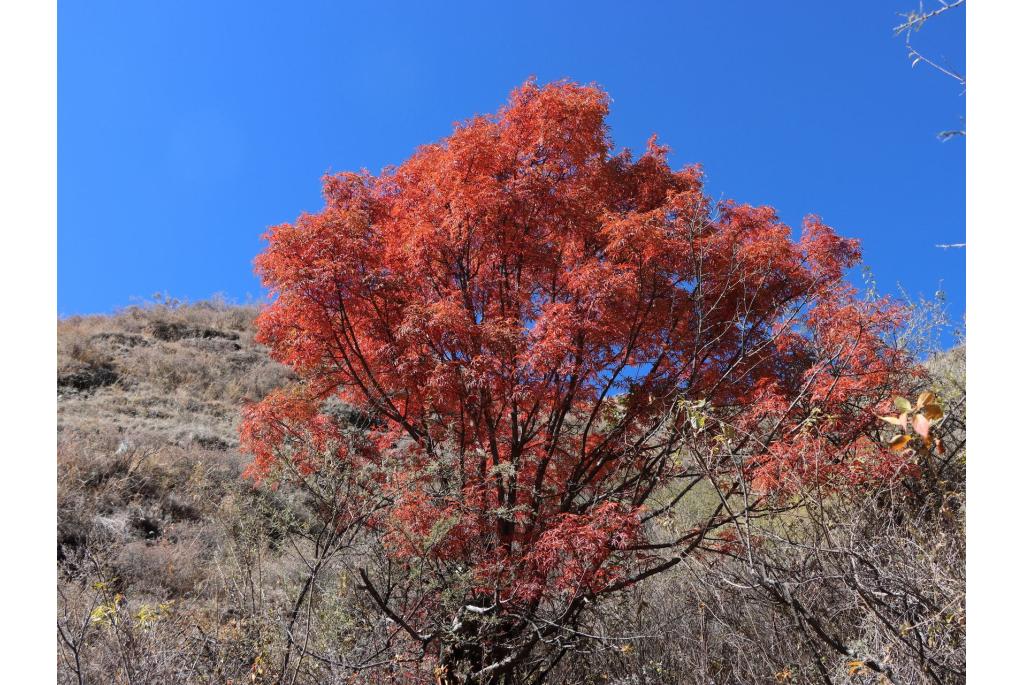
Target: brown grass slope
{"x":175,"y":569}
{"x":174,"y":372}
{"x":158,"y":535}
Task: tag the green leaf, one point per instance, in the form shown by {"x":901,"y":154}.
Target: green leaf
{"x":902,"y":404}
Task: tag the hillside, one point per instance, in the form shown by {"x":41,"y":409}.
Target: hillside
{"x":154,"y":519}
{"x":177,"y":373}
{"x":174,"y":568}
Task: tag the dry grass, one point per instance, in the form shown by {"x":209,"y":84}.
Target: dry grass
{"x":177,"y":372}
{"x":153,"y":515}
{"x":174,"y":569}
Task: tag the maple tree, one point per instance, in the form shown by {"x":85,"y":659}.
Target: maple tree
{"x":554,"y":345}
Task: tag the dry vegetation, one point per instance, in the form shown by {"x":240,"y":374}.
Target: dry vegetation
{"x":177,"y":372}
{"x":174,"y":569}
{"x":844,"y":589}
{"x":158,"y":535}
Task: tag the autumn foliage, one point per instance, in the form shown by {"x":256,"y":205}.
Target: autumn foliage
{"x":552,"y":342}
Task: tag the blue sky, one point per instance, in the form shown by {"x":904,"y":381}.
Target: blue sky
{"x":185,"y":128}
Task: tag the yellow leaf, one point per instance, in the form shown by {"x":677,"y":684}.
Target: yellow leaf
{"x":899,"y":442}
{"x":932,"y":411}
{"x":925,"y":398}
{"x":900,"y":421}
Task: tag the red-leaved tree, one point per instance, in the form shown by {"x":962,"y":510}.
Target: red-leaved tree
{"x":555,"y":345}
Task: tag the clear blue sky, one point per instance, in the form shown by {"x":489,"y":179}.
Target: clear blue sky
{"x":185,"y":128}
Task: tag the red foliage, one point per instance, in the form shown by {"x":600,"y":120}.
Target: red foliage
{"x":522,"y":311}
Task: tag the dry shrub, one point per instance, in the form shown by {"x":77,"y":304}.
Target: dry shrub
{"x":868,"y":587}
